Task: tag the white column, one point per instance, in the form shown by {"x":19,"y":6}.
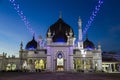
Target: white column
{"x":114,"y":67}
{"x":99,"y":62}
{"x":48,"y":63}
{"x":104,"y":67}
{"x":110,"y":66}
{"x":71,"y":62}
{"x":84,"y":64}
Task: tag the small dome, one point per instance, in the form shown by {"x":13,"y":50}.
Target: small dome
{"x":88,"y":44}
{"x":31,"y":45}
{"x":59,"y":30}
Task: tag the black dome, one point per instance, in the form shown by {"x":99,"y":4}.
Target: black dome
{"x":59,"y":30}
{"x":31,"y":45}
{"x":88,"y":44}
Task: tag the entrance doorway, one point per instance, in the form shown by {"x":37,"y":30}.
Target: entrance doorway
{"x":60,"y":62}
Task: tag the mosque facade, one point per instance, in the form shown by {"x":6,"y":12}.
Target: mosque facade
{"x":60,"y":52}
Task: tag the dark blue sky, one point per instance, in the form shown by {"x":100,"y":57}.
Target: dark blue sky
{"x":43,"y":13}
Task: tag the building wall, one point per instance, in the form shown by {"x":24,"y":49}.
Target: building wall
{"x":93,"y":55}
{"x":52,"y":52}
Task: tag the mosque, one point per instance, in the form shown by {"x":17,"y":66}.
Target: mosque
{"x":58,"y":53}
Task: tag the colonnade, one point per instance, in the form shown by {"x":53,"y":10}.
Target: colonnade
{"x":111,"y":66}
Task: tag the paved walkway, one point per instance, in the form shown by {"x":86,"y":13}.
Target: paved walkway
{"x":59,"y":76}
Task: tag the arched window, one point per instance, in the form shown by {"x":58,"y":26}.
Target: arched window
{"x":25,"y":65}
{"x":41,"y":64}
{"x":11,"y":66}
{"x":8,"y":67}
{"x":30,"y":61}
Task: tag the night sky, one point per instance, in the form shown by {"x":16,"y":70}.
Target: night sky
{"x":43,"y":13}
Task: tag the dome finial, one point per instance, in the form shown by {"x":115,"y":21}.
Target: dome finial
{"x":21,"y":45}
{"x":60,"y":14}
{"x":79,"y":22}
{"x":33,"y":36}
{"x":86,"y":36}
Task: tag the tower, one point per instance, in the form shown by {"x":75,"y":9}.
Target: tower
{"x":80,"y":41}
{"x":21,"y":45}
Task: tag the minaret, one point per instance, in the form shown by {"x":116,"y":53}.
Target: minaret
{"x":80,"y":42}
{"x":21,"y":45}
{"x":80,"y":29}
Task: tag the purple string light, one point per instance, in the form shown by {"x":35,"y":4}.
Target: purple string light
{"x":91,"y":19}
{"x":27,"y":23}
{"x":22,"y":16}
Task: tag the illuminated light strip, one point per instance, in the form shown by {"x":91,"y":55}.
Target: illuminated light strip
{"x":23,"y":17}
{"x":91,"y":19}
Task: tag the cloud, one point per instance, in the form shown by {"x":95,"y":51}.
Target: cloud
{"x":11,"y":35}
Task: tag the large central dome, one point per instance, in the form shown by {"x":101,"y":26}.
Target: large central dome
{"x":59,"y":31}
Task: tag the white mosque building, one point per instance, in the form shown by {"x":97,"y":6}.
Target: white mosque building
{"x":60,"y":52}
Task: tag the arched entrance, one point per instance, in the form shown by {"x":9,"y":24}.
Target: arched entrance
{"x":77,"y":64}
{"x":41,"y":64}
{"x":60,"y":62}
{"x":25,"y":65}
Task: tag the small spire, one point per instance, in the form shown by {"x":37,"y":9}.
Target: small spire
{"x":79,"y":18}
{"x":99,"y":46}
{"x":98,"y":43}
{"x":86,"y":36}
{"x":79,"y":22}
{"x":60,"y":14}
{"x":49,"y":33}
{"x":71,"y":33}
{"x":71,"y":30}
{"x":33,"y":36}
{"x":39,"y":38}
{"x":21,"y":45}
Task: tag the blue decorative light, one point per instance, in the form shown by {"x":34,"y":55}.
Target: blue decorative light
{"x":60,"y":40}
{"x":60,"y":55}
{"x":30,"y":48}
{"x":93,"y":15}
{"x":89,"y":48}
